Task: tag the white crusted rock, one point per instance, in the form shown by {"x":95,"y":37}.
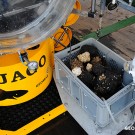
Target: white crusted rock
{"x":89,"y":67}
{"x":84,"y":57}
{"x":77,"y":71}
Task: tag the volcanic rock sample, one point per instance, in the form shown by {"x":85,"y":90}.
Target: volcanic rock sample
{"x":87,"y":78}
{"x":76,"y":67}
{"x":107,"y":84}
{"x":84,"y":57}
{"x":91,"y":49}
{"x":98,"y":69}
{"x":89,"y":67}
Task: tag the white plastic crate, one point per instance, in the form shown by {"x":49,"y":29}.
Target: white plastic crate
{"x":89,"y":101}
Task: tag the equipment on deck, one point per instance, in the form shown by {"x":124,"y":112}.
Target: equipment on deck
{"x":30,"y":33}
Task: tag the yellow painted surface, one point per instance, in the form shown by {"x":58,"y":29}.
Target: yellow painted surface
{"x":62,"y":36}
{"x":36,"y":123}
{"x":33,"y":84}
{"x":73,"y":17}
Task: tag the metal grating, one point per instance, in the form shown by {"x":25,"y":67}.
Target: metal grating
{"x":14,"y":117}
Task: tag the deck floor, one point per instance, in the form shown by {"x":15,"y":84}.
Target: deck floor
{"x":66,"y":125}
{"x":122,"y":41}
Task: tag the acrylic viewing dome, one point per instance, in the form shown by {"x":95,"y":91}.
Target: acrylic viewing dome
{"x":25,"y":23}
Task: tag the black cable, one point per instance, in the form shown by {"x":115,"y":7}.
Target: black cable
{"x":69,"y":42}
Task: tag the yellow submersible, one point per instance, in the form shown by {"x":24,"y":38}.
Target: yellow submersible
{"x":26,"y":51}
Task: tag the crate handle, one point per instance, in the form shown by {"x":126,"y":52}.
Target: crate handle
{"x":108,"y":109}
{"x":74,"y":49}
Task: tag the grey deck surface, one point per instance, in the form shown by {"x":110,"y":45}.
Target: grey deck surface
{"x":122,"y":41}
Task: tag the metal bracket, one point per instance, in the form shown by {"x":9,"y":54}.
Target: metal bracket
{"x":92,"y":12}
{"x":32,"y":65}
